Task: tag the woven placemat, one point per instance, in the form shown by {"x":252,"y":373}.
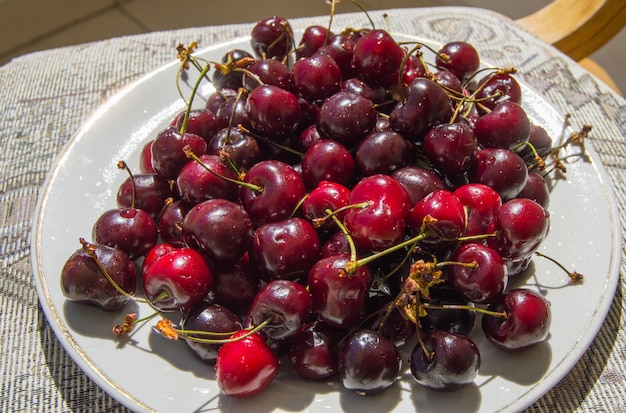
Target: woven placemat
{"x":46,"y":96}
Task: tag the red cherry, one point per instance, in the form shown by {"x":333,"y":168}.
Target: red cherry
{"x":245,"y":367}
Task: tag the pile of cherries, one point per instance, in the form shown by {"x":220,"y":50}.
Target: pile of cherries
{"x":336,"y":200}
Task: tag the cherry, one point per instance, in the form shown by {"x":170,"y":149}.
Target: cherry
{"x":502,"y":170}
{"x":451,"y":147}
{"x":268,"y":118}
{"x":506,"y":126}
{"x":483,"y":279}
{"x":521,"y":225}
{"x":287,"y":306}
{"x":445,"y":361}
{"x":220,"y":229}
{"x":271,"y":38}
{"x":382,"y":152}
{"x":312,"y":352}
{"x":377,"y":58}
{"x":382,"y":223}
{"x":356,"y":85}
{"x":204,"y":179}
{"x":441,"y":213}
{"x":210,"y":318}
{"x":413,"y":68}
{"x":452,"y":320}
{"x":338,"y":298}
{"x":536,"y":189}
{"x":481,"y":203}
{"x":341,"y":49}
{"x":168,"y":157}
{"x":175,"y":279}
{"x":527,"y":320}
{"x":335,"y":244}
{"x":327,"y":160}
{"x":326,"y":196}
{"x":316,"y":77}
{"x":498,"y":87}
{"x":232,"y":79}
{"x":460,"y":58}
{"x":284,"y":250}
{"x":241,"y":148}
{"x":279,"y":189}
{"x":368,"y":362}
{"x":269,"y":72}
{"x":418,"y":181}
{"x":235,"y":285}
{"x":132,"y":230}
{"x":84,"y":276}
{"x":426,"y":104}
{"x":145,"y":159}
{"x":232,"y":112}
{"x":313,"y":38}
{"x":145,"y":191}
{"x":245,"y":366}
{"x":346,"y":117}
{"x":449,"y":81}
{"x":201,"y":122}
{"x":171,"y":223}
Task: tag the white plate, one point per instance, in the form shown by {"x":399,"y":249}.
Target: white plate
{"x":148,"y":373}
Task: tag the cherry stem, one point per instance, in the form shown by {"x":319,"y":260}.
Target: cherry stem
{"x":318,"y":222}
{"x":573,"y":275}
{"x":123,"y":165}
{"x":190,"y":154}
{"x":191,"y":335}
{"x":356,"y":3}
{"x":269,"y":141}
{"x":499,"y":314}
{"x":194,"y":90}
{"x":343,"y":229}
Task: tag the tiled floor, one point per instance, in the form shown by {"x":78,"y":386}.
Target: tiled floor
{"x":30,"y":25}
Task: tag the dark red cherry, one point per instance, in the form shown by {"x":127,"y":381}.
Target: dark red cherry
{"x":270,"y":119}
{"x":502,"y":170}
{"x":316,"y":77}
{"x":495,"y":88}
{"x":82,"y":279}
{"x":458,"y":57}
{"x":168,"y":157}
{"x":132,"y":230}
{"x":527,"y":321}
{"x":242,"y":149}
{"x":452,"y":361}
{"x":441,"y":214}
{"x":272,"y":37}
{"x":338,"y":297}
{"x":481,"y":203}
{"x":451,"y":147}
{"x":536,"y":189}
{"x":312,"y":353}
{"x":220,"y":229}
{"x":171,"y":223}
{"x":418,"y":181}
{"x":284,"y":250}
{"x":326,"y":196}
{"x":382,"y":152}
{"x":148,"y":191}
{"x":377,"y":58}
{"x":368,"y":362}
{"x":328,"y":160}
{"x":341,"y":49}
{"x":201,"y":122}
{"x":313,"y":38}
{"x":346,"y":117}
{"x":235,"y":285}
{"x":506,"y":126}
{"x":206,"y":179}
{"x":269,"y":72}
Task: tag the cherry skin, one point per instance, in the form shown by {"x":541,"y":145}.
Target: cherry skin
{"x":284,"y":250}
{"x":132,"y":230}
{"x":287,"y":304}
{"x":377,"y":58}
{"x":346,"y":117}
{"x":338,"y":298}
{"x":271,"y":38}
{"x":168,"y":157}
{"x":83,"y":281}
{"x":381,"y":224}
{"x":481,"y":203}
{"x":313,"y":38}
{"x":498,"y":87}
{"x":454,"y":362}
{"x":201,"y":122}
{"x":235,"y":285}
{"x":171,"y":223}
{"x":281,"y":189}
{"x":181,"y":274}
{"x":382,"y":152}
{"x":210,"y":318}
{"x":328,"y":160}
{"x":418,"y":181}
{"x":326,"y":196}
{"x":451,"y":147}
{"x":527,"y":322}
{"x":461,"y":58}
{"x":502,"y":170}
{"x":145,"y":159}
{"x":268,"y":118}
{"x":447,"y":211}
{"x":316,"y":77}
{"x":536,"y":189}
{"x":245,"y":367}
{"x":312,"y":352}
{"x":521,"y":225}
{"x":506,"y":126}
{"x":269,"y":72}
{"x":204,"y":179}
{"x":483,"y":284}
{"x":220,"y":229}
{"x":149,"y":193}
{"x":241,"y":148}
{"x":368,"y":362}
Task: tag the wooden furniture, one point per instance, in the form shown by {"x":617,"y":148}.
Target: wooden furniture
{"x":578,"y":28}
